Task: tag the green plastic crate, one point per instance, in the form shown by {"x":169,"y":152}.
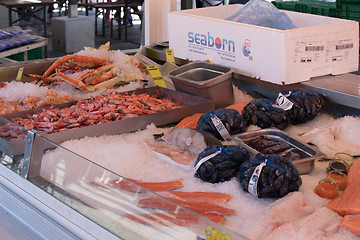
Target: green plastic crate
{"x":290,"y":6}
{"x":349,"y":7}
{"x":303,"y":7}
{"x":309,"y":6}
{"x":351,"y":2}
{"x":36,"y":53}
{"x":320,"y":11}
{"x":347,"y":11}
{"x":316,"y":7}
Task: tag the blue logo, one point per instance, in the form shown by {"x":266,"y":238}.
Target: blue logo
{"x":246,"y":48}
{"x":210,"y":41}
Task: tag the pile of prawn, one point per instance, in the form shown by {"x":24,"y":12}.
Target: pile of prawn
{"x":30,"y":102}
{"x":98,"y":109}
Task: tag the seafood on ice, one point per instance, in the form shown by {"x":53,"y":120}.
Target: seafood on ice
{"x":351,"y":222}
{"x":354,"y":171}
{"x":166,"y":218}
{"x":318,"y":225}
{"x":213,"y":197}
{"x":349,"y":200}
{"x":30,"y":102}
{"x":92,"y":69}
{"x":12,"y":131}
{"x":98,"y":109}
{"x":131,"y":185}
{"x":289,"y":208}
{"x":325,"y":139}
{"x":191,"y":140}
{"x":170,"y":153}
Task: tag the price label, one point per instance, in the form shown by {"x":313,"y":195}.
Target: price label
{"x":156,"y":76}
{"x":140,"y":49}
{"x":252,"y":188}
{"x":220,"y":127}
{"x":208,"y":60}
{"x":19,"y":74}
{"x":170,"y":56}
{"x":283,"y":102}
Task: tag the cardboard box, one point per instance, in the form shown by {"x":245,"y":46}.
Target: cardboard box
{"x":318,"y":46}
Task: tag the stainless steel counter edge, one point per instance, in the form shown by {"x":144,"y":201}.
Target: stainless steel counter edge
{"x":342,"y":92}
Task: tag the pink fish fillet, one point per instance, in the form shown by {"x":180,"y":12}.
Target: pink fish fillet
{"x":202,"y":208}
{"x":349,"y":201}
{"x":176,"y":154}
{"x":354,"y":171}
{"x":352,"y":222}
{"x":212,"y":197}
{"x":318,"y":225}
{"x":288,"y":208}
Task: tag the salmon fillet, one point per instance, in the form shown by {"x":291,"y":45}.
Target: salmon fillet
{"x":351,"y":222}
{"x":349,"y":201}
{"x":354,"y":171}
{"x":168,"y":218}
{"x":212,"y":197}
{"x":202,"y":208}
{"x":152,"y":186}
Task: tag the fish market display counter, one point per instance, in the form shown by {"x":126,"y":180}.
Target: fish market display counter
{"x":94,"y":203}
{"x":67,"y":183}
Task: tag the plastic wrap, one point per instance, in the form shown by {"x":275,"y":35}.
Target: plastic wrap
{"x":262,"y":13}
{"x":14,"y":37}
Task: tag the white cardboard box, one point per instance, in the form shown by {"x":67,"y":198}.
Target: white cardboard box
{"x":318,"y":46}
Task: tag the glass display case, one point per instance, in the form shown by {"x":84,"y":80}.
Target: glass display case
{"x":85,"y":200}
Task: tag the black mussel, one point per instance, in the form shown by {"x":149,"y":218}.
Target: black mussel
{"x":276,"y":176}
{"x":223,"y":163}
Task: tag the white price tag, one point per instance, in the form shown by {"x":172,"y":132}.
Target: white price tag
{"x":283,"y":102}
{"x":205,"y":159}
{"x":252,"y":188}
{"x":220,"y":127}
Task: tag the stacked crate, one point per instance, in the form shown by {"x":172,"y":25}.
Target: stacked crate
{"x":309,"y":6}
{"x":348,"y":9}
{"x":32,"y":54}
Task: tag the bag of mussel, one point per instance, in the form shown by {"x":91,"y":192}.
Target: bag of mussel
{"x":230,"y":119}
{"x":269,"y":176}
{"x":301,"y":105}
{"x":265,"y":114}
{"x":219,"y":163}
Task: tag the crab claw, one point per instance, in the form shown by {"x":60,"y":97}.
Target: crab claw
{"x":77,"y":83}
{"x":76,"y":58}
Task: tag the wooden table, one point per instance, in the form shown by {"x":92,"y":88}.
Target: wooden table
{"x":101,"y":8}
{"x":18,"y":6}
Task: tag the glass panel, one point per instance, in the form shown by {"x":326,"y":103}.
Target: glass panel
{"x":121,"y":206}
{"x":12,"y":144}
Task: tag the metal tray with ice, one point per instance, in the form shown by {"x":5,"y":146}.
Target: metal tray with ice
{"x":272,"y":140}
{"x":191,"y":105}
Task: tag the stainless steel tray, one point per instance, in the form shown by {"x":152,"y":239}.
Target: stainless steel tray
{"x":306,"y":162}
{"x":192,"y":105}
{"x":205,"y":79}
